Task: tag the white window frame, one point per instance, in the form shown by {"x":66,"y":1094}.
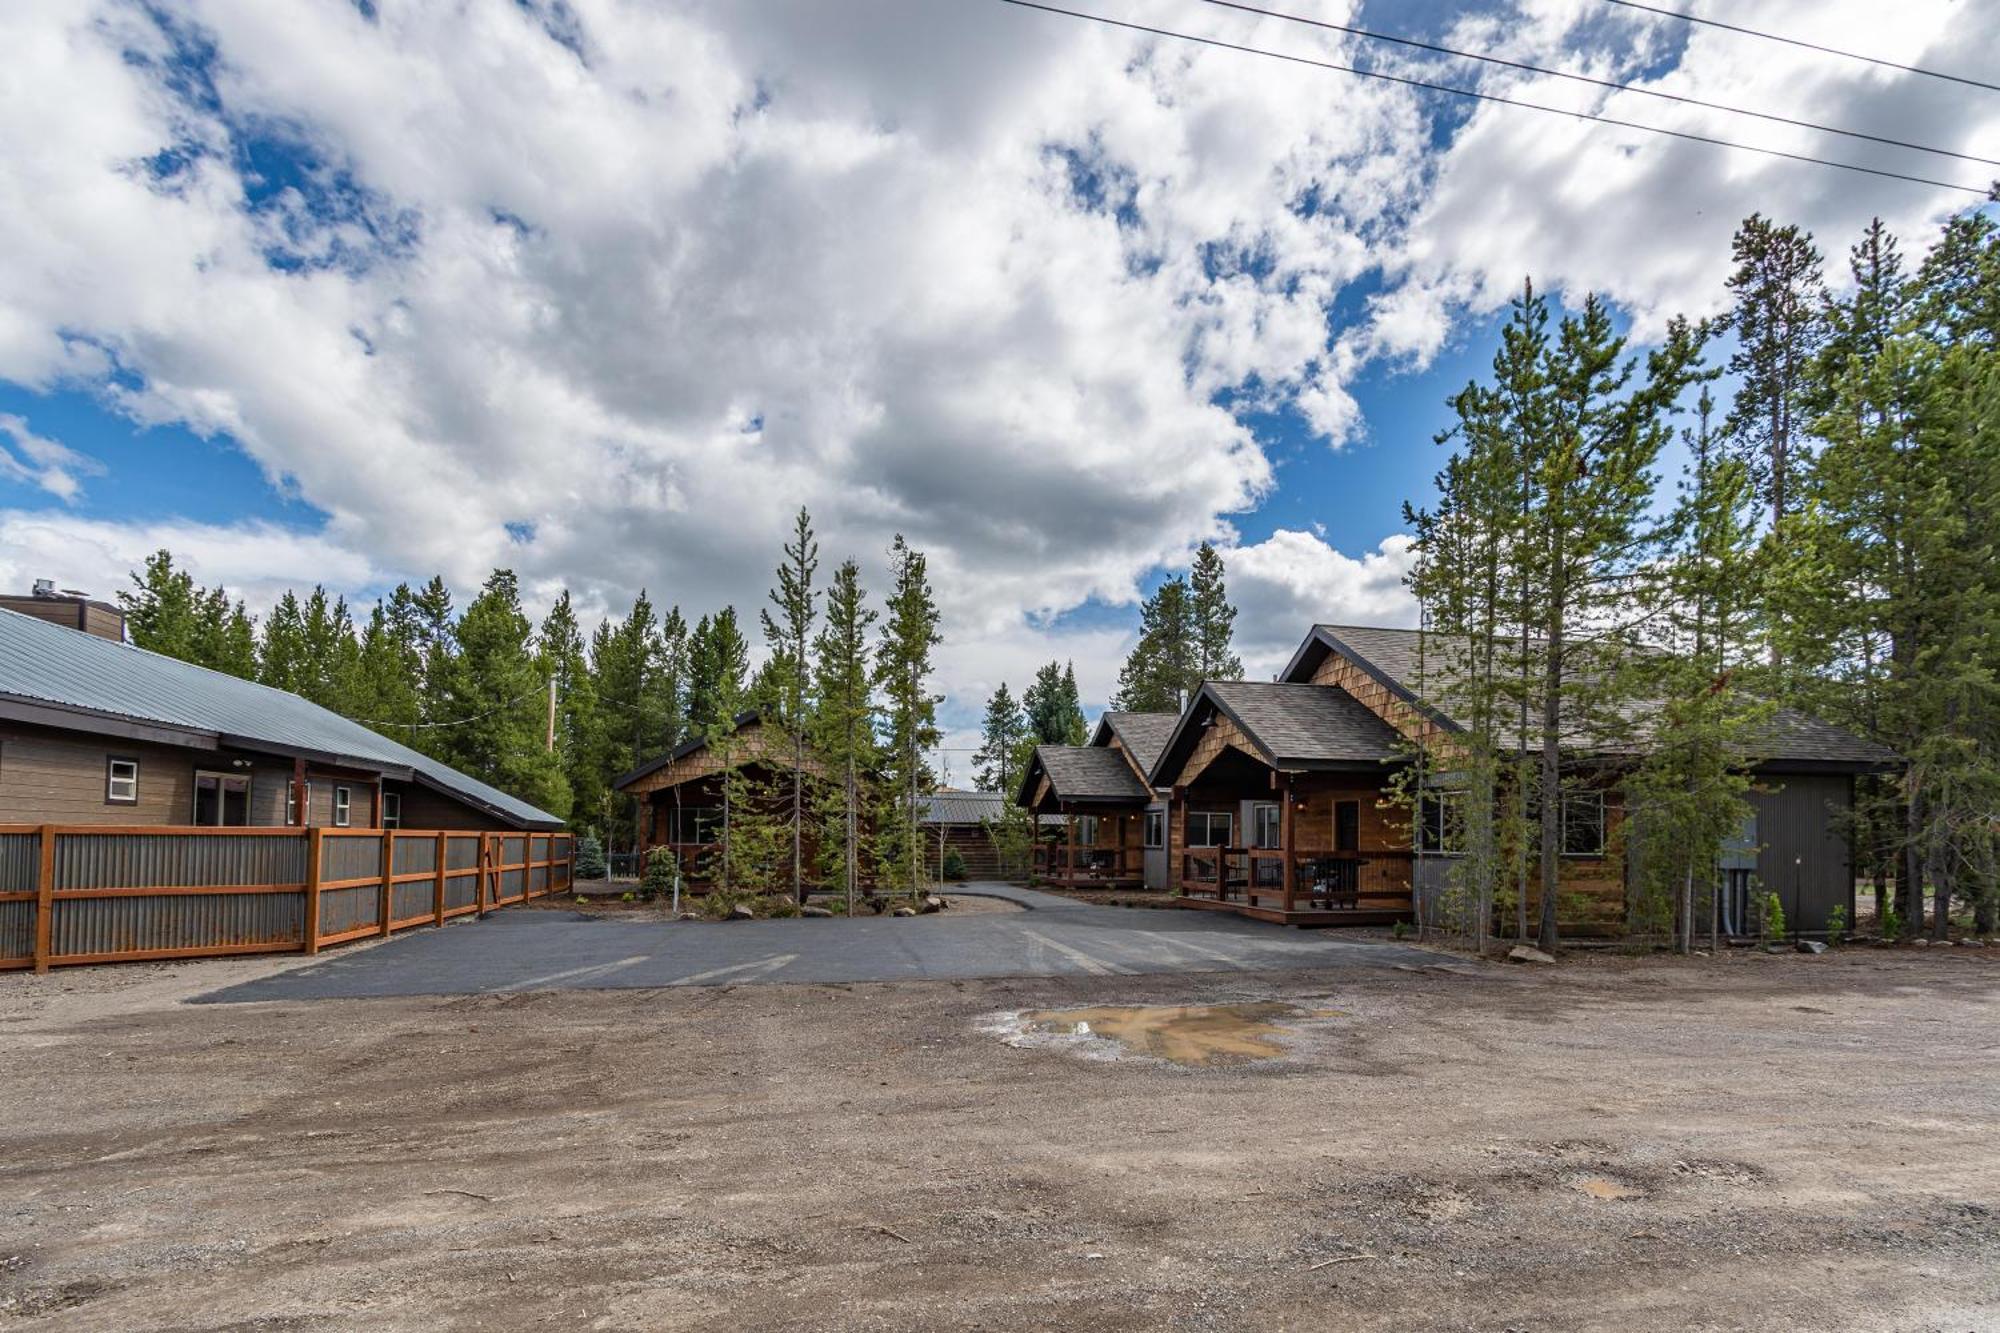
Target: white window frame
{"x":1155,"y":833}
{"x":222,"y":784}
{"x":1260,"y":812}
{"x":1572,"y":800}
{"x":343,"y":806}
{"x":1433,"y":822}
{"x":115,"y":782}
{"x":392,"y":809}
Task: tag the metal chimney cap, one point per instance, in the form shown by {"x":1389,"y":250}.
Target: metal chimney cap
{"x":45,"y":587}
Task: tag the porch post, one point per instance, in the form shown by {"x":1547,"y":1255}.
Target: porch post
{"x":1177,"y":803}
{"x":1288,"y":827}
{"x":1069,"y":855}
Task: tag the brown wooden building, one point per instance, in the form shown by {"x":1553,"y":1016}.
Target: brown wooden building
{"x":96,"y":731}
{"x":1101,"y":801}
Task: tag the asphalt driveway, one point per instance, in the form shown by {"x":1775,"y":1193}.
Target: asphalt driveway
{"x":548,"y":950}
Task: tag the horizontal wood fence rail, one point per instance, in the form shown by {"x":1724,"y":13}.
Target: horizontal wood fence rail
{"x":88,"y":893}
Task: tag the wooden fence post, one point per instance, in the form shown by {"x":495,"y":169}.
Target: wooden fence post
{"x":388,"y":878}
{"x":485,"y":859}
{"x":45,"y":900}
{"x":437,"y":889}
{"x":312,"y":837}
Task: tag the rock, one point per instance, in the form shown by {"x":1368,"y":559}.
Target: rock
{"x":1920,"y":943}
{"x":904,"y":911}
{"x":1811,"y":946}
{"x":1972,"y":944}
{"x":931,"y":903}
{"x":1522,"y":953}
{"x":688,"y":916}
{"x":742,"y":912}
{"x":1942,"y":944}
{"x":813,"y":910}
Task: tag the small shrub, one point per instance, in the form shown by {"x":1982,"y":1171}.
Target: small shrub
{"x":581,"y":900}
{"x":1836,"y":925}
{"x":1401,"y":930}
{"x":776,"y":904}
{"x":628,"y":897}
{"x":658,"y":881}
{"x":954,"y":864}
{"x":590,"y":862}
{"x":1772,"y":926}
{"x":1892,"y":921}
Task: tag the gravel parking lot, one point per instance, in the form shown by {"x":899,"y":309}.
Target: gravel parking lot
{"x":1734,"y":1143}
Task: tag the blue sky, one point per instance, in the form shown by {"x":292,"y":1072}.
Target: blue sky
{"x":604,"y":292}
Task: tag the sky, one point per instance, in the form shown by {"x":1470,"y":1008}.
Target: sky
{"x":349,"y":292}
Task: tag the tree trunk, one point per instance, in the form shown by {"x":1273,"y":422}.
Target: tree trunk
{"x":1552,"y":675}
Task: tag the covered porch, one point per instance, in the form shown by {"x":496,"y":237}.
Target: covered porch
{"x":1277,"y":810}
{"x":1096,"y":839}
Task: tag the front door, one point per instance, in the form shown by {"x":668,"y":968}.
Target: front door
{"x":221,"y":800}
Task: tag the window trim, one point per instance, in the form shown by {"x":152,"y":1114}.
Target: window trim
{"x":1354,"y":806}
{"x":111,"y":778}
{"x":1259,"y":811}
{"x":1431,"y":840}
{"x":343,"y":805}
{"x":1603,"y":847}
{"x":222,"y":781}
{"x":392,"y":809}
{"x":1208,"y":818}
{"x":1153,"y":834}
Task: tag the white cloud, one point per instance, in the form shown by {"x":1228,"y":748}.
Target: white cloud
{"x":54,"y":467}
{"x":1292,"y":580}
{"x":960,"y":271}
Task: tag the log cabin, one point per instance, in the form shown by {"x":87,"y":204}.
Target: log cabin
{"x":97,"y":731}
{"x":1108,"y":822}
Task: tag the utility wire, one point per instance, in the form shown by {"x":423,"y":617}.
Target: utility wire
{"x":1615,"y":84}
{"x":1492,"y":97}
{"x":457,"y":721}
{"x":1796,"y":41}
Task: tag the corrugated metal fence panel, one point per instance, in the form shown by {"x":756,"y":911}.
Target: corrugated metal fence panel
{"x":512,"y":883}
{"x":20,"y":862}
{"x":17,"y":930}
{"x":342,"y":910}
{"x":460,"y":891}
{"x":350,"y":858}
{"x":150,"y":860}
{"x":513,"y":850}
{"x":417,"y":898}
{"x":414,"y":854}
{"x":461,"y":853}
{"x":89,"y":927}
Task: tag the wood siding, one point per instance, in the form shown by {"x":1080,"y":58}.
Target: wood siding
{"x":46,"y":777}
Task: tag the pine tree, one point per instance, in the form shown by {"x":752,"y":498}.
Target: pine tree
{"x":1164,"y":668}
{"x":564,"y":660}
{"x":903,"y":664}
{"x":496,"y":700}
{"x":1055,"y":712}
{"x":1779,"y":292}
{"x":718,"y":661}
{"x":433,"y":618}
{"x":282,"y":653}
{"x":789,"y":634}
{"x":843,"y":724}
{"x":388,"y":674}
{"x":165,"y":612}
{"x":1214,"y":620}
{"x":1000,"y":744}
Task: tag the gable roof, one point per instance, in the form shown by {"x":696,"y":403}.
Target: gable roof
{"x":960,"y":807}
{"x":1088,"y":773}
{"x":692,"y":745}
{"x":1392,"y":657}
{"x":1293,"y":726}
{"x":1144,"y":735}
{"x":95,"y":684}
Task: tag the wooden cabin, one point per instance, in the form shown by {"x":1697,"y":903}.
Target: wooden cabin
{"x":1276,"y":806}
{"x":681,"y":795}
{"x":1100,"y":799}
{"x":1140,"y":737}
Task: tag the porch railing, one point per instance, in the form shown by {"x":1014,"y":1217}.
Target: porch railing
{"x":74,"y":893}
{"x":1321,"y":881}
{"x":1084,"y":864}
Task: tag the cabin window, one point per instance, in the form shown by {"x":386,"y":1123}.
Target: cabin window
{"x":121,"y":781}
{"x":1441,"y":823}
{"x":221,"y":800}
{"x":1583,"y":823}
{"x":1266,"y":826}
{"x":1210,"y":828}
{"x":1086,"y":830}
{"x":343,"y":805}
{"x":392,"y":809}
{"x":1347,"y":826}
{"x":1156,"y":828}
{"x":696,"y":824}
{"x":292,"y":801}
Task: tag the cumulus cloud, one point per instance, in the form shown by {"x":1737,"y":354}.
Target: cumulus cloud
{"x":56,"y":468}
{"x":605,"y":290}
{"x":1293,"y":580}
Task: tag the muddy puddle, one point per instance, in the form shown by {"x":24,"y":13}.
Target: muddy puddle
{"x":1196,"y":1035}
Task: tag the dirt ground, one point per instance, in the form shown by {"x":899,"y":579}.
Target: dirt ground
{"x":1787,"y":1143}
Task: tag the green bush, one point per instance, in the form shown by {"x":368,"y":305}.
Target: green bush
{"x":590,"y":858}
{"x":1892,"y":921}
{"x":954,"y":864}
{"x":658,"y":881}
{"x":1836,"y":925}
{"x":1772,"y":927}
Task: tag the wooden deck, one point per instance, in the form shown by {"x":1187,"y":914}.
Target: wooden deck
{"x":1303,"y":889}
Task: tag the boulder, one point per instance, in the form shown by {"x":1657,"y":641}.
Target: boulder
{"x":904,"y":911}
{"x":811,"y":909}
{"x":1942,"y":944}
{"x":1811,"y":946}
{"x":1969,"y":943}
{"x":742,"y":912}
{"x":1920,"y":943}
{"x":688,"y":916}
{"x":1522,"y":953}
{"x":931,"y":903}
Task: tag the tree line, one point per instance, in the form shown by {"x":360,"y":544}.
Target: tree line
{"x":841,"y":681}
{"x":1828,"y":546}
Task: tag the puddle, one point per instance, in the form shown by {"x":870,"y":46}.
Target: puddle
{"x":1602,"y":1187}
{"x":1192,"y":1035}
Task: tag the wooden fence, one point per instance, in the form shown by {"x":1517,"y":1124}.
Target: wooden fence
{"x":73,"y":893}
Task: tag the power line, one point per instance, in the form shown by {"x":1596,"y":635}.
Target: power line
{"x":454,"y":722}
{"x":1614,"y":84}
{"x":1493,"y":97}
{"x":1796,"y":41}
